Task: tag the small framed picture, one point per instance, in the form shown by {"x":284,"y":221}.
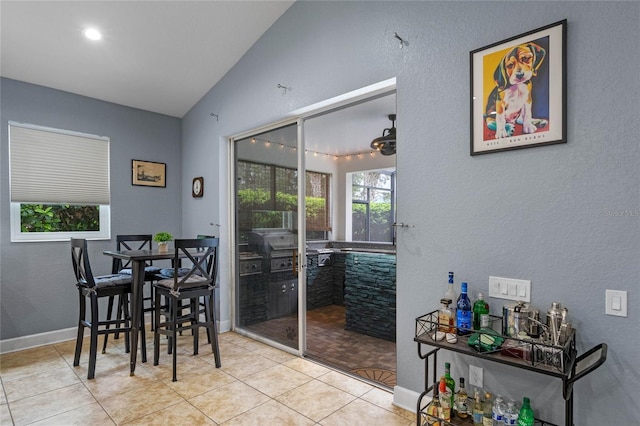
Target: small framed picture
{"x":519,"y":92}
{"x":148,"y":173}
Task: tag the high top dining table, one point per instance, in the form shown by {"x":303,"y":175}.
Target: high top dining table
{"x":138,"y":259}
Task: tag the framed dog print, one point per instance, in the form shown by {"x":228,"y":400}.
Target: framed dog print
{"x":518,"y":91}
{"x":148,"y":173}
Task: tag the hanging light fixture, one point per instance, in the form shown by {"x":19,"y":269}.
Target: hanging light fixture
{"x":386,"y":144}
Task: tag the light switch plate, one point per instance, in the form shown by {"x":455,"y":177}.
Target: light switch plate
{"x":616,"y":303}
{"x":510,"y":288}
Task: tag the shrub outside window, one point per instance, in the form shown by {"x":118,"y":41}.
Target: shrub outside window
{"x":266,"y":193}
{"x":373,"y":206}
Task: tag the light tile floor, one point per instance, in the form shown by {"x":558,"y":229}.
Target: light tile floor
{"x":257,"y":385}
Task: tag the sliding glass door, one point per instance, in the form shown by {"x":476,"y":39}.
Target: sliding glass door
{"x":267,"y":182}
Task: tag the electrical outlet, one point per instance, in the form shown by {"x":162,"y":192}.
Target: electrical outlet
{"x":475,"y":376}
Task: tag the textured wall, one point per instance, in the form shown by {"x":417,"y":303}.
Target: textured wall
{"x":370,"y":294}
{"x":37,"y":287}
{"x":538,"y":214}
{"x":254,"y":299}
{"x":320,"y":282}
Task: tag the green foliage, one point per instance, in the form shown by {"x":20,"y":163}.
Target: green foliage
{"x":254,"y":199}
{"x":58,"y":218}
{"x":162,"y":237}
{"x":269,"y":215}
{"x":380,"y":225}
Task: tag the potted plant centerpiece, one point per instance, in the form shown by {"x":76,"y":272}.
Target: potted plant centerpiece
{"x":163,"y":238}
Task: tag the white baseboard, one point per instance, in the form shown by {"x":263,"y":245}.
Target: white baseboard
{"x":34,"y":340}
{"x":224,"y":326}
{"x":56,"y":336}
{"x":405,"y":398}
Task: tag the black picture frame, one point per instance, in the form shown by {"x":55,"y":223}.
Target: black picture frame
{"x":518,"y":91}
{"x":197,"y":187}
{"x":148,"y":173}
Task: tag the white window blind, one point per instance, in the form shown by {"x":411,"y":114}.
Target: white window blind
{"x":53,"y":166}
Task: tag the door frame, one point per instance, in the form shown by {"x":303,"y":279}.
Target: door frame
{"x":298,"y":116}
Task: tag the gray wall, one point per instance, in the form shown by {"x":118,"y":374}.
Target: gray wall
{"x":36,"y":279}
{"x":540,"y":214}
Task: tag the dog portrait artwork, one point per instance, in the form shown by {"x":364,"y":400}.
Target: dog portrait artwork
{"x":519,"y":91}
{"x":512,"y":104}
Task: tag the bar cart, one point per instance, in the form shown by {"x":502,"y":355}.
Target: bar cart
{"x":559,"y":361}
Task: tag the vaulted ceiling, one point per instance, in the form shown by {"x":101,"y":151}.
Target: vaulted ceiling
{"x":160,"y":56}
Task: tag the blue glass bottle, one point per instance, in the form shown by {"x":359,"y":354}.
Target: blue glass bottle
{"x":464,"y":315}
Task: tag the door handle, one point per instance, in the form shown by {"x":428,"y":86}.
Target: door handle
{"x":294,"y":255}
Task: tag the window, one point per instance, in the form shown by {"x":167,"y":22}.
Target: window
{"x":59,"y":184}
{"x":317,"y":198}
{"x":267,"y":194}
{"x":373,"y":206}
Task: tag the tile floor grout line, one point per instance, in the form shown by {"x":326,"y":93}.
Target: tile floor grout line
{"x":85,"y":384}
{"x":67,"y":366}
{"x":248,"y":346}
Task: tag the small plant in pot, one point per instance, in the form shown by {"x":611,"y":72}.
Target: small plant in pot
{"x":163,"y":238}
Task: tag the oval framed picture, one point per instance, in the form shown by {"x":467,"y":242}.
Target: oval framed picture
{"x":197,"y":187}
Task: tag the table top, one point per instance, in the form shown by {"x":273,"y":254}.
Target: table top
{"x":141,"y":254}
{"x":154,"y":254}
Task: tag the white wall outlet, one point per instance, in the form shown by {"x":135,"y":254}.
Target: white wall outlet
{"x":475,"y":376}
{"x":510,"y":288}
{"x":616,"y":303}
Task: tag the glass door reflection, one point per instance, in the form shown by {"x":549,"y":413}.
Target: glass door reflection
{"x":267,"y":235}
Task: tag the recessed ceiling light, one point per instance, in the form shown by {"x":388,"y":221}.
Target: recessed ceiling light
{"x":92,"y":34}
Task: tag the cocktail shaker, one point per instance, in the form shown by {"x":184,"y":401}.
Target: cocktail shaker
{"x":554,"y":320}
{"x":565,"y":326}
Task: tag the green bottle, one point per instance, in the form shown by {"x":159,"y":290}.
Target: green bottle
{"x":480,"y":313}
{"x":525,"y":418}
{"x":451,"y":384}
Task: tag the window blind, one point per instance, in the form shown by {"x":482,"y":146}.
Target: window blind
{"x":52,"y":166}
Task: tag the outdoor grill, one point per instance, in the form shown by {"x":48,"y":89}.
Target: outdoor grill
{"x":278,"y":245}
{"x":250,"y":263}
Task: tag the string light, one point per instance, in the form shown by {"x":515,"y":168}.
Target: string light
{"x":336,"y":157}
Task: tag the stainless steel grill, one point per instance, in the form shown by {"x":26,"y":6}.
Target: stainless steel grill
{"x":250,"y":263}
{"x":279,"y":245}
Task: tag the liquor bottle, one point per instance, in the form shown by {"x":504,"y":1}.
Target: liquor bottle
{"x":446,"y":319}
{"x":445,"y":400}
{"x":477,"y":409}
{"x":451,"y":384}
{"x":462,"y":408}
{"x":480,"y":313}
{"x":433,"y":409}
{"x":498,"y":411}
{"x":511,"y":414}
{"x":487,"y":409}
{"x":451,"y":292}
{"x":463,"y":312}
{"x":525,"y":417}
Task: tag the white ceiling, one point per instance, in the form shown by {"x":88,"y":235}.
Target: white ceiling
{"x":160,"y":56}
{"x":350,"y":130}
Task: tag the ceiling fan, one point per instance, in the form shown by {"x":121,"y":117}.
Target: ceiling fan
{"x":386,"y":144}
